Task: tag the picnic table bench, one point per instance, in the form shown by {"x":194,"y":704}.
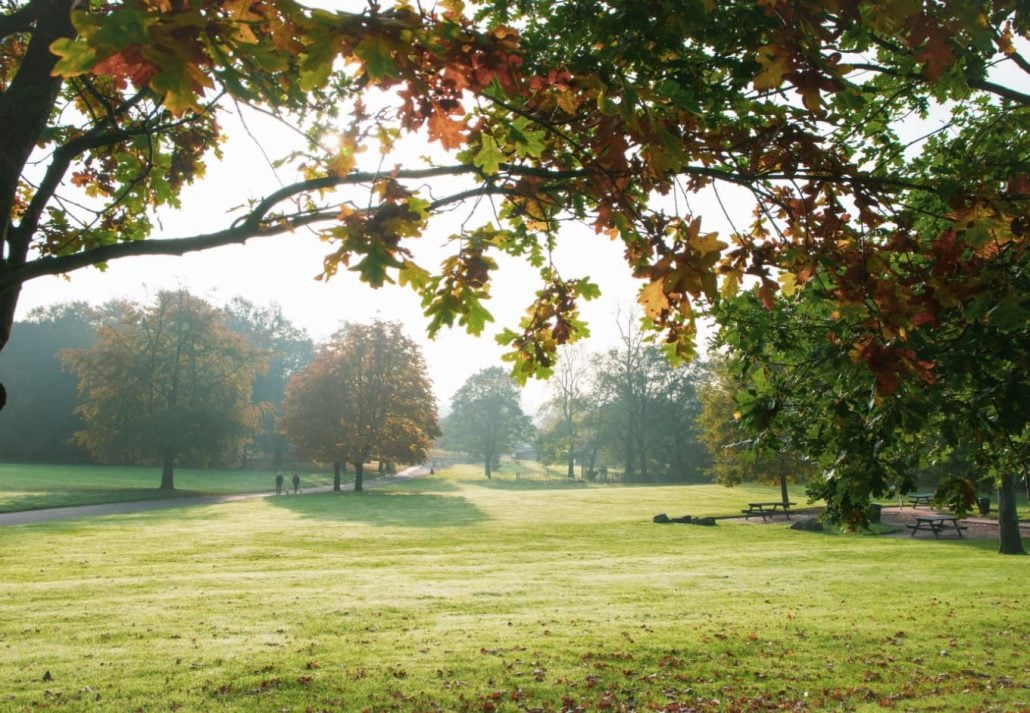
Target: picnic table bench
{"x":917,"y":499}
{"x":767,"y":509}
{"x":937,"y":524}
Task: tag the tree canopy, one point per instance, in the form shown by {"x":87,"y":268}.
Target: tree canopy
{"x":366,"y":395}
{"x":111,"y":108}
{"x":165,"y":383}
{"x":486,"y":420}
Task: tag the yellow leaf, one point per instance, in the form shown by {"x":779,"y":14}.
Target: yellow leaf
{"x":344,"y":161}
{"x":653,"y":298}
{"x":774,"y":65}
{"x":708,"y":243}
{"x":788,"y":284}
{"x":568,"y":101}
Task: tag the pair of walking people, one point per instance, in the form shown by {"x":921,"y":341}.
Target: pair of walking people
{"x":279,"y":483}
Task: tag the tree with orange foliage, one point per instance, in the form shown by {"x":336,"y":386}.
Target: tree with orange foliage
{"x":366,"y":395}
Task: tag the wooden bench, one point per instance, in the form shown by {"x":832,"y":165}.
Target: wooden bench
{"x":917,"y":499}
{"x":767,"y":509}
{"x":937,"y":524}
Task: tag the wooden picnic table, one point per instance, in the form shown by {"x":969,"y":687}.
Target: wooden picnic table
{"x":917,"y":499}
{"x":767,"y":509}
{"x":937,"y":524}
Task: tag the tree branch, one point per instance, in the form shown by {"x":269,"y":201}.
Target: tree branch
{"x":20,"y":20}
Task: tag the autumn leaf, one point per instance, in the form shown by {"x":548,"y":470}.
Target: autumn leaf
{"x":376,"y":53}
{"x":653,"y":299}
{"x":788,"y":284}
{"x":76,"y":57}
{"x":449,"y":132}
{"x":489,"y":157}
{"x":775,"y":64}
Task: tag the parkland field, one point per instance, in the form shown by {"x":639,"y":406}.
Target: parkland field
{"x":454,"y":593}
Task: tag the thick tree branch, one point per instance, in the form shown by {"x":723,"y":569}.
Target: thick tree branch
{"x":24,"y":110}
{"x":253,"y":226}
{"x":20,"y":20}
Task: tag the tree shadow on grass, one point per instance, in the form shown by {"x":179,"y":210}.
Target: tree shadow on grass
{"x":384,"y":508}
{"x":70,"y":497}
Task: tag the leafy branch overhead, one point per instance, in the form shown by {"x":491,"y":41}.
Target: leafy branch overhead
{"x":615,"y":118}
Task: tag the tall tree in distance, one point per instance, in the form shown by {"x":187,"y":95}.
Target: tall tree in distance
{"x":486,"y":419}
{"x":167,"y":383}
{"x":366,"y":395}
{"x":568,"y":387}
{"x":315,"y":402}
{"x":288,"y":348}
{"x":734,"y":457}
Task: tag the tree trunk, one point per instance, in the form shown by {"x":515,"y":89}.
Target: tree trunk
{"x":167,"y":471}
{"x":783,"y":489}
{"x":25,"y":106}
{"x":359,"y":472}
{"x":572,"y":463}
{"x":488,"y":466}
{"x":336,"y":477}
{"x":1008,"y":520}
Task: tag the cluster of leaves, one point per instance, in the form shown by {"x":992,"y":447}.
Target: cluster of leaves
{"x":801,"y":384}
{"x":795,"y":100}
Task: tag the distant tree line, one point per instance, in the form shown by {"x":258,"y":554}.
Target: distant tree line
{"x":183,"y":382}
{"x":620,"y":414}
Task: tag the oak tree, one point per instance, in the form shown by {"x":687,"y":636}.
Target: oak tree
{"x":798,"y":388}
{"x":166,"y":384}
{"x":110,"y":108}
{"x":366,"y":395}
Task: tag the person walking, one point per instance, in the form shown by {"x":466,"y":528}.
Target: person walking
{"x":296,"y":483}
{"x":278,"y":483}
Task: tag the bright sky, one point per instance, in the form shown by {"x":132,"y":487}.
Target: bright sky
{"x":282,"y":270}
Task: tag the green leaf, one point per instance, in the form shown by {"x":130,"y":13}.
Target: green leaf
{"x":76,"y":57}
{"x":490,"y":157}
{"x":375,"y":52}
{"x":123,"y":27}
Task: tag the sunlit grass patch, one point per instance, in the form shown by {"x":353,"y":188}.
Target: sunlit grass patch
{"x":449,"y":594}
{"x":32,"y":487}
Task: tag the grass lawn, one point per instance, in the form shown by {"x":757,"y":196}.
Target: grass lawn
{"x":32,"y":487}
{"x":454,"y":593}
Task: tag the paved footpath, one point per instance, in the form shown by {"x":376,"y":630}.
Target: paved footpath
{"x":31,"y":517}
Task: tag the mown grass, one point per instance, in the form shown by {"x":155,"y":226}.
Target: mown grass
{"x":32,"y":487}
{"x":454,"y":593}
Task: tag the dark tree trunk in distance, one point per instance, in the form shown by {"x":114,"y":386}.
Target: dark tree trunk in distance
{"x":336,"y":476}
{"x":1008,"y":520}
{"x":359,"y":472}
{"x":488,"y":465}
{"x":167,"y":471}
{"x":783,"y":489}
